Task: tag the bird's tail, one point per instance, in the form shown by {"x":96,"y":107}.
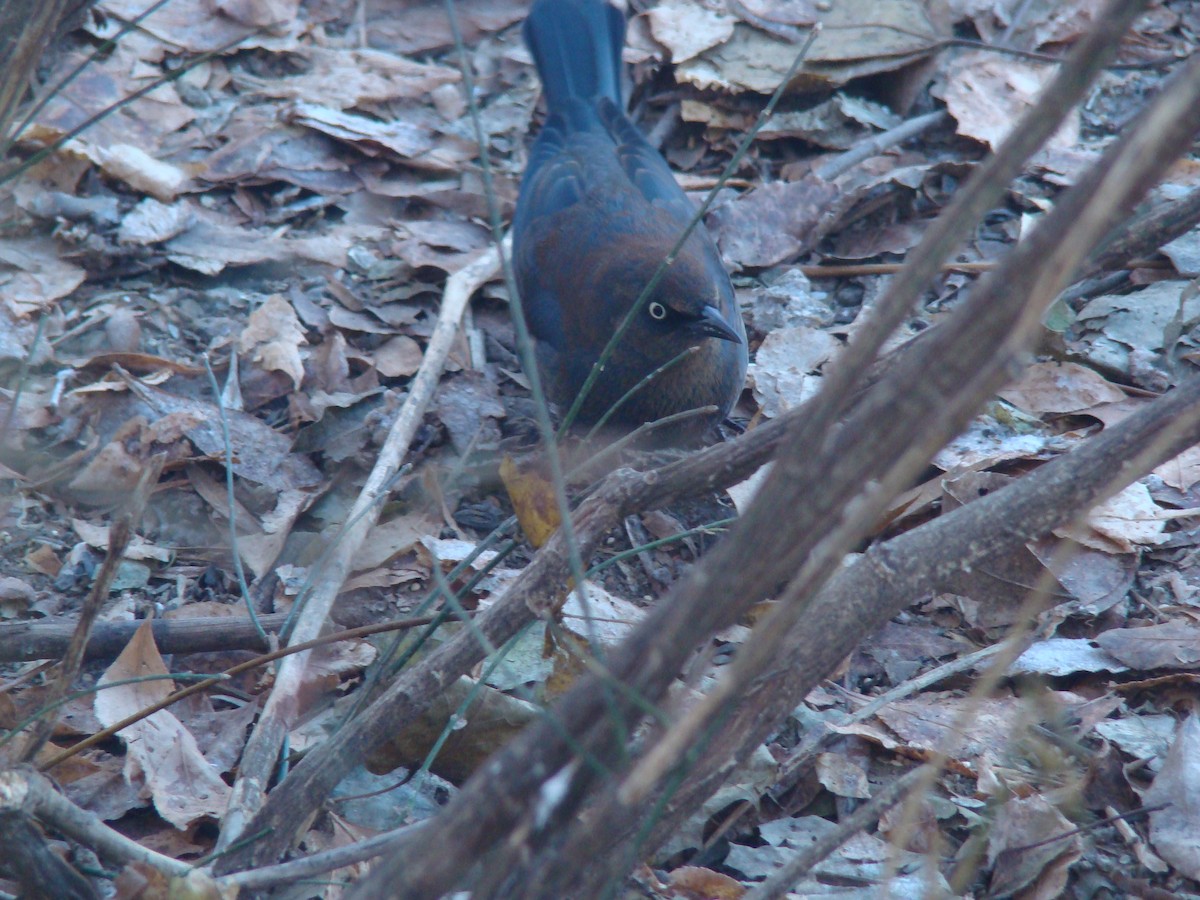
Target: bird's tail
{"x":576,"y":46}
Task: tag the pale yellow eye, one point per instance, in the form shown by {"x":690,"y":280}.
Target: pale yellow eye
{"x":657,"y":311}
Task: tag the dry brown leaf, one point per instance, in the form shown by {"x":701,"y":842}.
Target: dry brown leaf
{"x":1061,"y":22}
{"x":1171,"y":645}
{"x":112,"y":80}
{"x":772,"y":223}
{"x":209,"y":246}
{"x":1030,"y":847}
{"x":115,"y":470}
{"x":348,"y":77}
{"x":405,"y":139}
{"x":1122,"y":524}
{"x":486,"y":725}
{"x":861,"y":38}
{"x":172,"y":27}
{"x":687,"y":29}
{"x":786,"y":12}
{"x":1051,"y":387}
{"x":399,"y":357}
{"x":259,"y":147}
{"x":993,"y":438}
{"x":1096,"y":580}
{"x":141,"y":171}
{"x":417,"y":28}
{"x":160,"y":752}
{"x":32,"y":275}
{"x":698,"y":883}
{"x":151,"y":222}
{"x":1182,"y":472}
{"x":260,"y":453}
{"x":1129,"y":333}
{"x":1173,"y":829}
{"x":988,"y":95}
{"x":216,"y":494}
{"x":1061,"y":657}
{"x":843,"y":775}
{"x":273,"y":337}
{"x":785,"y":371}
{"x":599,"y":615}
{"x":43,"y":559}
{"x":390,"y":539}
{"x":469,"y":406}
{"x":927,"y":722}
{"x":259,"y":13}
{"x":138,"y":548}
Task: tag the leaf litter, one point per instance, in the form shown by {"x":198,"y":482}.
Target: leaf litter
{"x":288,"y":211}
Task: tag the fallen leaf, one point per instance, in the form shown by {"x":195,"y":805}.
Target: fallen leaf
{"x":1173,"y":829}
{"x":1052,"y":387}
{"x":1060,"y":657}
{"x":161,"y":753}
{"x":686,"y":29}
{"x":1122,"y":523}
{"x":1031,"y":845}
{"x":532,"y":497}
{"x":786,"y":368}
{"x":32,"y":275}
{"x":987,"y":97}
{"x":273,"y":337}
{"x":1172,"y":645}
{"x":698,"y":883}
{"x":399,"y":357}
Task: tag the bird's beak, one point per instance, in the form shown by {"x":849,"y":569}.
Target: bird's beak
{"x":712,"y":324}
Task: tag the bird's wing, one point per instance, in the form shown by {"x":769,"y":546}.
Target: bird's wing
{"x":554,"y":178}
{"x":644,"y":166}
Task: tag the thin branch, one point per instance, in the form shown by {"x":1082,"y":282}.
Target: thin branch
{"x":264,"y":745}
{"x":41,"y":798}
{"x":119,"y":534}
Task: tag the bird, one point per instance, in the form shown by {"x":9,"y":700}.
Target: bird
{"x":597,"y":213}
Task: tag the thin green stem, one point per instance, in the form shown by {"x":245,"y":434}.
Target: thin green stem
{"x":710,"y":528}
{"x":75,"y":695}
{"x":690,"y":351}
{"x":232,"y":500}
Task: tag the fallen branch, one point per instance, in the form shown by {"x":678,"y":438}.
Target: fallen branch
{"x":830,"y":482}
{"x":262,"y":749}
{"x":492,"y":803}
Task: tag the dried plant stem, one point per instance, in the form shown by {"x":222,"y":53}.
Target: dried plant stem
{"x":119,"y":534}
{"x":262,"y":750}
{"x":39,"y":797}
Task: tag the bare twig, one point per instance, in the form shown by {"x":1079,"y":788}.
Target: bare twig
{"x":486,"y":811}
{"x":39,"y":796}
{"x":119,"y":534}
{"x":352,"y":634}
{"x":263,"y":747}
{"x":864,"y":150}
{"x":327,"y":861}
{"x":795,"y":868}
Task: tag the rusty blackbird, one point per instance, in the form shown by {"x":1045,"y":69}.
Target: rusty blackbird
{"x":598,"y":211}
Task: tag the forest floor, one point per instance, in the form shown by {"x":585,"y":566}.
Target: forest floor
{"x":242,"y":270}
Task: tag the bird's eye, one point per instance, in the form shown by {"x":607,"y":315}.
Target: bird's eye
{"x":657,"y":311}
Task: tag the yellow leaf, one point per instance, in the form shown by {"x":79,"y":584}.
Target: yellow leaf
{"x":532,"y":497}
